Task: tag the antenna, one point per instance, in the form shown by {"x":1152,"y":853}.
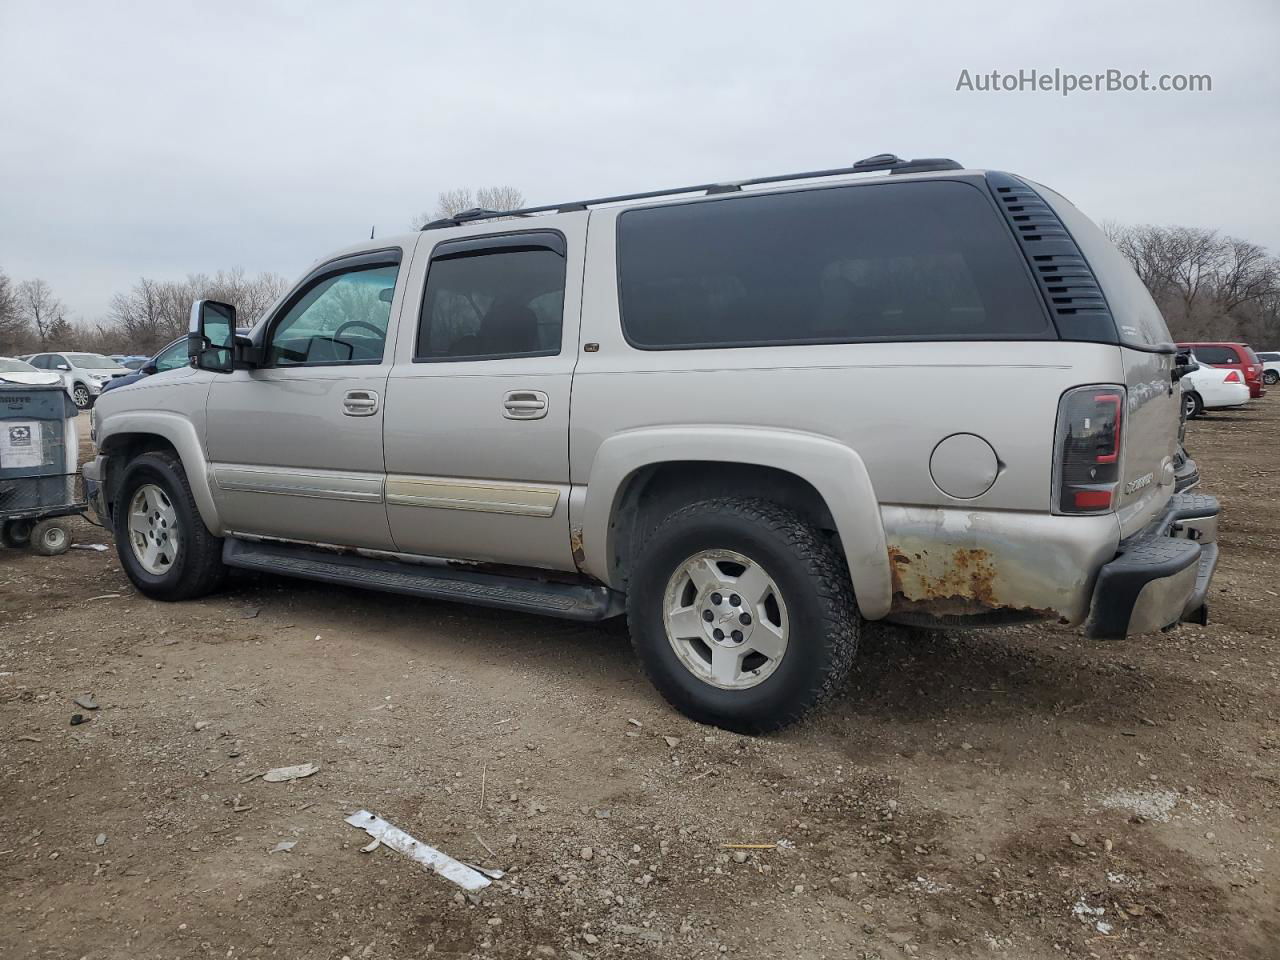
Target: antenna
{"x":371,"y":229}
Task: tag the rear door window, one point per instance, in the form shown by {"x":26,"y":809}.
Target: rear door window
{"x":493,"y":298}
{"x":881,"y":262}
{"x":1216,"y":355}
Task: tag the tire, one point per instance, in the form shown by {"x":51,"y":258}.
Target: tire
{"x":808,"y":601}
{"x":1192,"y":405}
{"x":1269,"y":377}
{"x":50,"y":538}
{"x":81,"y":396}
{"x":16,"y":533}
{"x":187,"y":559}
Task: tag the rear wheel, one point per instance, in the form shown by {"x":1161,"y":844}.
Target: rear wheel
{"x":16,"y":533}
{"x":742,"y":614}
{"x":1270,"y":376}
{"x":1192,"y":405}
{"x":163,"y":545}
{"x":50,"y":538}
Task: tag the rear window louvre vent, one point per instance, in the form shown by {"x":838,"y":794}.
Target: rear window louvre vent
{"x":1068,"y":285}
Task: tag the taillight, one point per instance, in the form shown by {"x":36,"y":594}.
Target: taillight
{"x":1233,"y":376}
{"x":1087,"y":449}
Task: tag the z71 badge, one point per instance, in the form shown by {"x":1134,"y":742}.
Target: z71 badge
{"x":1133,"y":486}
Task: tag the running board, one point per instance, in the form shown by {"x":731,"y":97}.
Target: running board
{"x":566,"y":600}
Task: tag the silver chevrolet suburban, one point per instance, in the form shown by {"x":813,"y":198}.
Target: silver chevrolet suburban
{"x":748,"y":415}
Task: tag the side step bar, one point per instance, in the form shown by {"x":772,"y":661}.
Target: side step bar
{"x":566,"y":600}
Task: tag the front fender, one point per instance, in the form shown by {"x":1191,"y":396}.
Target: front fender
{"x":182,"y":435}
{"x":833,"y":469}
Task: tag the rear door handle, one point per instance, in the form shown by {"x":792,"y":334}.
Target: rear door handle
{"x":524,"y":405}
{"x":360,"y":403}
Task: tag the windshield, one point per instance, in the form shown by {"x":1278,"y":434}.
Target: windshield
{"x":93,"y":361}
{"x":15,"y":366}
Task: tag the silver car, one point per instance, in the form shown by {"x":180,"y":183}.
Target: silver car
{"x":85,"y":374}
{"x":749,"y":415}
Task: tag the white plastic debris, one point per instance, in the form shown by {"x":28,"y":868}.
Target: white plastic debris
{"x":283,"y":774}
{"x":392,"y":836}
{"x":284,"y":846}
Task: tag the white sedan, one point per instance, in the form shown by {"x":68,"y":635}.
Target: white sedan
{"x":1270,"y":367}
{"x":1213,"y":388}
{"x":19,"y":371}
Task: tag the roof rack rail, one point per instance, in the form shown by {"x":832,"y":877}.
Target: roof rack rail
{"x":881,"y":161}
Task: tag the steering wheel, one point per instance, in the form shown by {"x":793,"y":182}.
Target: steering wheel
{"x":337,"y":334}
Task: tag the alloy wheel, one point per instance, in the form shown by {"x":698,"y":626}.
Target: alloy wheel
{"x":726,"y":619}
{"x":154,"y":535}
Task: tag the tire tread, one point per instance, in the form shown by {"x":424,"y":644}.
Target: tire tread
{"x":202,"y":571}
{"x":823,"y":564}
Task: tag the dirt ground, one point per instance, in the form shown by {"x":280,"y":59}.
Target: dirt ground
{"x":1020,"y":793}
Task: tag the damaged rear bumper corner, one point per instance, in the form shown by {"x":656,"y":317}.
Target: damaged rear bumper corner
{"x":1161,"y":575}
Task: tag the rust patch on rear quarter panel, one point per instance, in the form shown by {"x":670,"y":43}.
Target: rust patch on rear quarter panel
{"x":955,"y":583}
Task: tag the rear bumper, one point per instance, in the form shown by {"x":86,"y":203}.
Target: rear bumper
{"x":1161,"y":575}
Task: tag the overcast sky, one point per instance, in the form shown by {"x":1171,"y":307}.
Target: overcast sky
{"x":167,"y":138}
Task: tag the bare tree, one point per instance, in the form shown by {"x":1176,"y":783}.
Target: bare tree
{"x":15,"y":333}
{"x":40,"y":308}
{"x":153,"y":312}
{"x":1208,"y":286}
{"x":450,"y":203}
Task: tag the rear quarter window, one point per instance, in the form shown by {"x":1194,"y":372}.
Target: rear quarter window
{"x":882,"y":262}
{"x":1139,"y":322}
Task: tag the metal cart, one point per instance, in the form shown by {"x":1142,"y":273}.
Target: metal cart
{"x":40,"y":485}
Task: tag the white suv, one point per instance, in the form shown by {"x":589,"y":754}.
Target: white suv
{"x":749,"y":415}
{"x":83,"y":373}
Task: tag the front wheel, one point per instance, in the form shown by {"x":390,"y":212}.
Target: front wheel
{"x":163,"y":544}
{"x":1192,"y":405}
{"x":1270,"y":377}
{"x":742,"y":614}
{"x":81,"y":397}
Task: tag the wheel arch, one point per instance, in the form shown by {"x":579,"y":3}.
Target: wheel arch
{"x":132,"y":435}
{"x":639,"y":476}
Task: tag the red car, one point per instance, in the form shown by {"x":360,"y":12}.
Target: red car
{"x":1237,"y":356}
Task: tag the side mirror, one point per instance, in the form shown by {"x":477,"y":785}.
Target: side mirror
{"x":63,"y":366}
{"x":148,"y":368}
{"x":1184,"y":363}
{"x":211,"y":340}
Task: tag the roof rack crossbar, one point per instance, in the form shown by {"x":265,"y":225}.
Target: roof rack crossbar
{"x":883,"y":161}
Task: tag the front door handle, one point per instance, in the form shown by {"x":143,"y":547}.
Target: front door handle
{"x":524,"y":405}
{"x":360,"y":403}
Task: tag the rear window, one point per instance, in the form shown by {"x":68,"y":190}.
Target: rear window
{"x":912,"y":261}
{"x":1216,"y":354}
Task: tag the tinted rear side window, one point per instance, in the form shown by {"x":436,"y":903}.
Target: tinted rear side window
{"x":492,"y":304}
{"x":1215,"y":354}
{"x":881,"y":262}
